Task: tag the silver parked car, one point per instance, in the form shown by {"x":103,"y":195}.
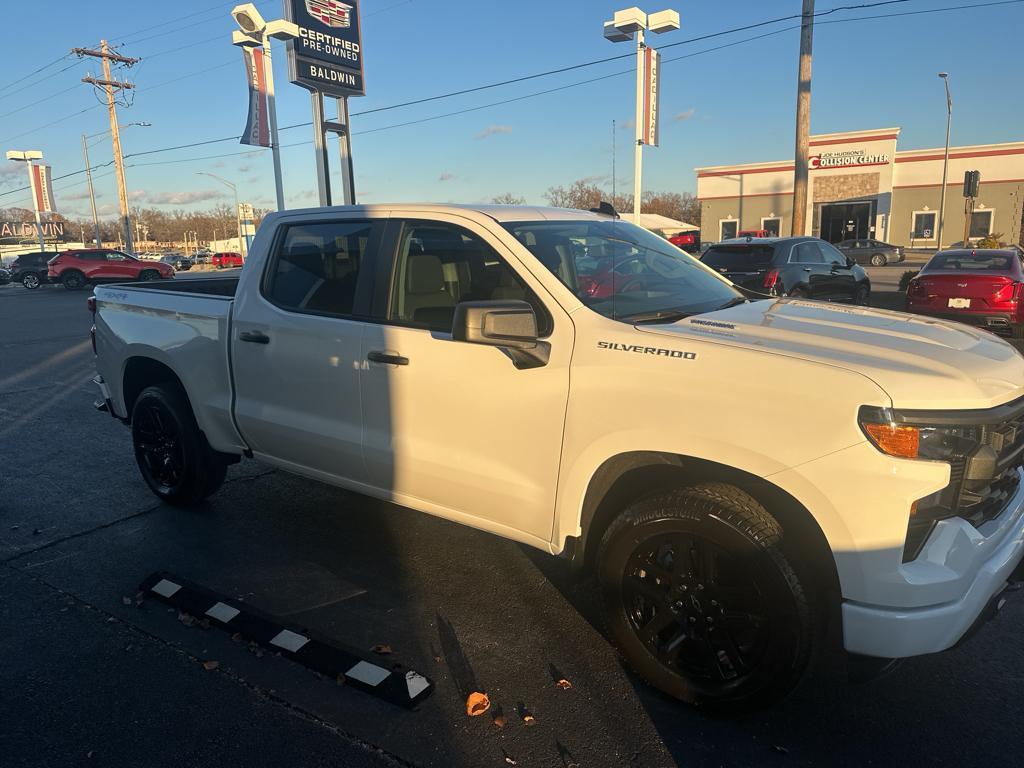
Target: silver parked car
{"x":874,"y":252}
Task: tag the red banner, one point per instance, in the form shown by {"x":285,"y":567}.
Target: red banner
{"x":42,"y":191}
{"x":257,"y":127}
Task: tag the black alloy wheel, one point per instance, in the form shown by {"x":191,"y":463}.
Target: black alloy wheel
{"x":73,"y":280}
{"x":149,"y":274}
{"x":172,"y":453}
{"x":879,"y":260}
{"x":701,"y":600}
{"x":30,"y":280}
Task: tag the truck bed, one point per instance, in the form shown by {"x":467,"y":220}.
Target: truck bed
{"x":224,"y":287}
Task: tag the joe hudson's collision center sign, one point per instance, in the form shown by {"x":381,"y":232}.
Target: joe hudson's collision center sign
{"x":847,"y":159}
{"x":328,"y":54}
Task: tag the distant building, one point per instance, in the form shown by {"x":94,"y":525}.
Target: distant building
{"x":861,"y":186}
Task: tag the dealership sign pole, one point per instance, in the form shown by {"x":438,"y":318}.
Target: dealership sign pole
{"x":39,"y":180}
{"x":326,"y":58}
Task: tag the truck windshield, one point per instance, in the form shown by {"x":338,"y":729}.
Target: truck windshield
{"x":623,"y":271}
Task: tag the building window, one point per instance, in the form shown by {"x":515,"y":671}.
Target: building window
{"x":924,"y":226}
{"x":981,"y":223}
{"x":729,"y":228}
{"x":772,"y":226}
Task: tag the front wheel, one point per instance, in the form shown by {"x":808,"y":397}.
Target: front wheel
{"x":30,"y":280}
{"x":170,"y":450}
{"x":879,"y":260}
{"x":149,"y":274}
{"x":862,"y":295}
{"x":701,"y":600}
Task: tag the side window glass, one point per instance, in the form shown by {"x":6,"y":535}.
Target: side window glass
{"x":806,"y":253}
{"x":115,"y":256}
{"x":830,"y":254}
{"x":317,"y":265}
{"x":440,"y":265}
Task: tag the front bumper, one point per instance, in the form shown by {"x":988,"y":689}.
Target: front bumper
{"x":952,"y":553}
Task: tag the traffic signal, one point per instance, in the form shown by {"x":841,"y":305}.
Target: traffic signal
{"x":972,"y":183}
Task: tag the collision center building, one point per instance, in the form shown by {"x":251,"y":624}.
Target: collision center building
{"x":861,"y":186}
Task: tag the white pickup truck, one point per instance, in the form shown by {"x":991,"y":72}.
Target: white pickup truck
{"x":738,"y":471}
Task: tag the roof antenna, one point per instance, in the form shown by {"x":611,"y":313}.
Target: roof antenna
{"x":613,"y":161}
{"x":606,"y":209}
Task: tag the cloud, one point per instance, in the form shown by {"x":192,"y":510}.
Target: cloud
{"x":684,"y":115}
{"x":627,"y":125}
{"x":107,"y":209}
{"x":492,"y":130}
{"x":244,"y":168}
{"x":446,"y":176}
{"x":137,"y":195}
{"x":596,"y":179}
{"x":83,"y":195}
{"x":185,"y":197}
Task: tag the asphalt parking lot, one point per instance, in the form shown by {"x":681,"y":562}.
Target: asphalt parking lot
{"x":91,"y":676}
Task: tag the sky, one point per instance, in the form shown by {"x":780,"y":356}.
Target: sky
{"x":730,"y":105}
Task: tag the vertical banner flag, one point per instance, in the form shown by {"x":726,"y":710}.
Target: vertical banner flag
{"x":652,"y":96}
{"x":257,"y":127}
{"x":42,"y":193}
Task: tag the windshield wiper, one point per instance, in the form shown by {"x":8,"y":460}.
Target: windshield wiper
{"x":732,"y":303}
{"x":659,"y":316}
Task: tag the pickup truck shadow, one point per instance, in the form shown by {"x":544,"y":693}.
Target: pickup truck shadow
{"x":892,"y":719}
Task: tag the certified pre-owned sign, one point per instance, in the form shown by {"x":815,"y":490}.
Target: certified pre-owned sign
{"x":327,"y":56}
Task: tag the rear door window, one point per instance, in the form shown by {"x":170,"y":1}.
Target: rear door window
{"x":748,"y":259}
{"x":807,"y":253}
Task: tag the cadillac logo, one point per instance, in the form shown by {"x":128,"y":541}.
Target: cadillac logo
{"x":331,"y":12}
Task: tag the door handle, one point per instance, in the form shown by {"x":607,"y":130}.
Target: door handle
{"x":256,"y":337}
{"x":384,"y":357}
{"x":807,"y":269}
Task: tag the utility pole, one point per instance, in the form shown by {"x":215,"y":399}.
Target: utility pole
{"x":92,"y":193}
{"x":945,"y":160}
{"x":803,"y":120}
{"x":110,"y":86}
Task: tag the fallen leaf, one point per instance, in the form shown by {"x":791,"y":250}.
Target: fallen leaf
{"x":529,"y":719}
{"x":383,"y":649}
{"x":780,"y":750}
{"x":564,"y":684}
{"x":477,"y":703}
{"x":500,"y":721}
{"x":186,"y":619}
{"x":89,"y":753}
{"x":126,"y":600}
{"x":237,"y":637}
{"x":510,"y":761}
{"x":210,"y":665}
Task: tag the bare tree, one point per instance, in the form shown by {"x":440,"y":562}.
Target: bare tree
{"x":507,"y":198}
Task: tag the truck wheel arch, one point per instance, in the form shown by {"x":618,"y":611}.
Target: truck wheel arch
{"x":623,"y":478}
{"x":142,"y":372}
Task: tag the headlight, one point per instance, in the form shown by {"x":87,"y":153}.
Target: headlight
{"x":911,"y":441}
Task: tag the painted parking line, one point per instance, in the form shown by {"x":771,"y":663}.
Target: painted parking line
{"x":395,"y":684}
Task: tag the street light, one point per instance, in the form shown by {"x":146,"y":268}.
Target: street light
{"x":27,"y":156}
{"x":255,"y":31}
{"x":238,"y":219}
{"x":945,"y":160}
{"x":622,"y":28}
{"x":88,"y":176}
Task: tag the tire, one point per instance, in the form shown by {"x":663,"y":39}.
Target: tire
{"x":73,"y":280}
{"x":661,"y":610}
{"x":31,"y":280}
{"x":171,"y":452}
{"x":879,"y":260}
{"x":862,"y":295}
{"x":149,"y":274}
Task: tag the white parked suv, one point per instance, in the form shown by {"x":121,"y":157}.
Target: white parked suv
{"x":735,"y":469}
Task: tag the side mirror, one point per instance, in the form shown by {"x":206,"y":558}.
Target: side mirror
{"x":509,"y":325}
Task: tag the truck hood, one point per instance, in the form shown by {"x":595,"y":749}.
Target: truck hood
{"x":920,"y":362}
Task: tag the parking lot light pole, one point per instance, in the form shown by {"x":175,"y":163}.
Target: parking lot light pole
{"x":623,"y":27}
{"x":238,"y":215}
{"x":945,"y":160}
{"x":255,"y":31}
{"x":27,"y":156}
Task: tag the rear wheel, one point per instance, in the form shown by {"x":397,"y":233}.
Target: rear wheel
{"x":879,"y":260}
{"x":30,"y":280}
{"x":175,"y":460}
{"x":73,"y":280}
{"x":701,"y":600}
{"x":149,"y":274}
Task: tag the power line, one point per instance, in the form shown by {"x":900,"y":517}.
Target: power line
{"x":34,"y":72}
{"x":570,"y":85}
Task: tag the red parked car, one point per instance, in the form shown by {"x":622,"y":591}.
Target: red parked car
{"x":226,"y":259}
{"x":74,"y":268}
{"x":687,"y":241}
{"x":983,"y":287}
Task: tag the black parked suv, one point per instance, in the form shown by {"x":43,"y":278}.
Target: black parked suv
{"x":30,"y":269}
{"x":790,"y":266}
